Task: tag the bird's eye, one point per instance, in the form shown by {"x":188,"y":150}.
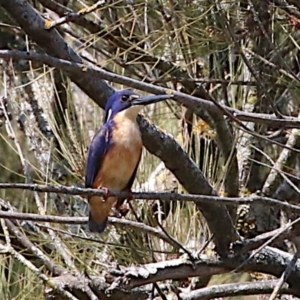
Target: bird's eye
{"x":124,"y":98}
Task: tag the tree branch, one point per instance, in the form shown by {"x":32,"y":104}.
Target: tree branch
{"x":288,"y":232}
{"x":83,"y":220}
{"x":269,"y":260}
{"x":233,"y":290}
{"x":195,"y":103}
{"x":71,"y":17}
{"x":198,"y":199}
{"x":35,"y":251}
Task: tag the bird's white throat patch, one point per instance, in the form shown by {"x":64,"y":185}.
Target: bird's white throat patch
{"x":109,"y":114}
{"x":131,"y":112}
{"x":127,"y":130}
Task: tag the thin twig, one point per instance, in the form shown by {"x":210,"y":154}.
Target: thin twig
{"x":189,"y":254}
{"x":55,"y":269}
{"x":94,"y":240}
{"x":71,"y":17}
{"x":151,"y":196}
{"x":285,"y":275}
{"x":280,"y":162}
{"x":266,"y":243}
{"x":83,"y":220}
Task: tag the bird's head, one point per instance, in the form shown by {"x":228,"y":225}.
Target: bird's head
{"x":129,"y":103}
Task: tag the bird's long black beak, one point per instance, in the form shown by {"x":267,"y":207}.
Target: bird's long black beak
{"x":150,"y":99}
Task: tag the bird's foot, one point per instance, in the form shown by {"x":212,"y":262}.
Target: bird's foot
{"x":106,"y":193}
{"x":124,"y":209}
{"x":115,"y":213}
{"x":130,"y":196}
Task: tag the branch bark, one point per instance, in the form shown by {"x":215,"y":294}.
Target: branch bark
{"x":80,"y":70}
{"x":233,"y":290}
{"x":269,"y":260}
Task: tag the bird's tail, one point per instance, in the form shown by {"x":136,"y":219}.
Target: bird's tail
{"x":95,"y":226}
{"x":99,"y":212}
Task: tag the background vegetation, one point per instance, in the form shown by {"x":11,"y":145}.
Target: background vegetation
{"x":232,"y":130}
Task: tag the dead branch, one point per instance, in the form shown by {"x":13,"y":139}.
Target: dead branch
{"x":187,"y":100}
{"x":284,"y":276}
{"x":288,"y":232}
{"x":271,"y":182}
{"x":233,"y":290}
{"x":27,"y":244}
{"x":10,"y":250}
{"x":71,"y":17}
{"x":269,"y":260}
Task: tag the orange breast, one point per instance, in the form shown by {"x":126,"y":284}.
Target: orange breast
{"x":122,"y":158}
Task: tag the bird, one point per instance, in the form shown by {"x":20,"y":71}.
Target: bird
{"x":115,"y":153}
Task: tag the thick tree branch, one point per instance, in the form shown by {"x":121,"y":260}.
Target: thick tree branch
{"x":269,"y":260}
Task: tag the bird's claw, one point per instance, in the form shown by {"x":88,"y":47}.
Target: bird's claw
{"x":115,"y":213}
{"x":130,"y":196}
{"x":106,"y":193}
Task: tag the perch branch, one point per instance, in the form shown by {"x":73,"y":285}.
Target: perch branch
{"x":151,"y":196}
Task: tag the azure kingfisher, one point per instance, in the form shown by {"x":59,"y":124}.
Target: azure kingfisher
{"x":115,"y":153}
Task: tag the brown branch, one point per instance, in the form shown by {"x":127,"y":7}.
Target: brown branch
{"x":194,"y":103}
{"x":182,"y":98}
{"x":234,"y":289}
{"x":198,"y":199}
